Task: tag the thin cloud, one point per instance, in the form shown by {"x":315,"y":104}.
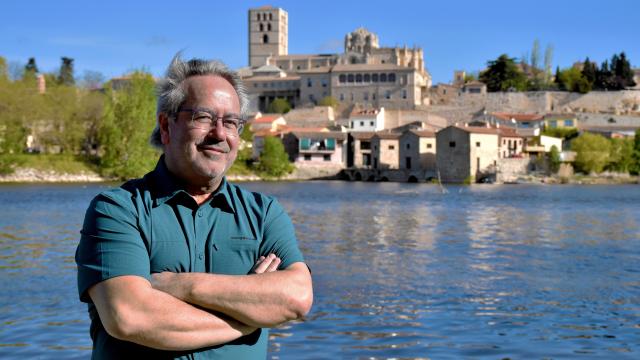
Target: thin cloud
{"x":332,"y":45}
{"x":157,"y":40}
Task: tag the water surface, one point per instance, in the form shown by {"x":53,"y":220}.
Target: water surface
{"x":400,"y":271}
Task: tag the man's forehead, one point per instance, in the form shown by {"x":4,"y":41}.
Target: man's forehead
{"x":211,"y":87}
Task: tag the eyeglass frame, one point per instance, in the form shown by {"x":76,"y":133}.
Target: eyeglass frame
{"x":214,"y":117}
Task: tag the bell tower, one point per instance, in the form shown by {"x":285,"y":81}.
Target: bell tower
{"x":268,"y":34}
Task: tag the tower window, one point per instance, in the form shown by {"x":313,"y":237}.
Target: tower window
{"x":261,"y":27}
{"x":270,"y":16}
{"x":269,"y":26}
{"x":265,"y":38}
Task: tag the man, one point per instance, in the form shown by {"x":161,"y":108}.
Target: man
{"x":180,"y":263}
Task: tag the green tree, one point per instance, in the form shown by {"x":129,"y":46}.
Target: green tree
{"x":621,"y":155}
{"x":329,"y":101}
{"x":604,"y":77}
{"x":129,"y":118}
{"x":622,"y":73}
{"x":548,"y":60}
{"x":30,"y":70}
{"x":554,"y":159}
{"x":4,"y":70}
{"x":592,"y":152}
{"x":564,"y":133}
{"x":274,"y":161}
{"x":65,"y":77}
{"x":635,"y":167}
{"x":572,"y":80}
{"x":589,"y":71}
{"x":279,"y":106}
{"x":503,"y":74}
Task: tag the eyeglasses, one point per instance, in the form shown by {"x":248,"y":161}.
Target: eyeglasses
{"x":206,"y":120}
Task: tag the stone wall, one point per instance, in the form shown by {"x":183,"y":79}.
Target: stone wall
{"x":510,"y":169}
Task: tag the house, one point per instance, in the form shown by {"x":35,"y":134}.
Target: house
{"x":269,"y":122}
{"x":527,"y":125}
{"x":466,"y":152}
{"x":511,"y":144}
{"x":386,"y":147}
{"x":555,"y":121}
{"x":418,"y":150}
{"x":360,"y":150}
{"x":313,"y":148}
{"x":367,"y":120}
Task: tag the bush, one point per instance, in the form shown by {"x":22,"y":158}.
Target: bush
{"x":274,"y":161}
{"x":592,"y":152}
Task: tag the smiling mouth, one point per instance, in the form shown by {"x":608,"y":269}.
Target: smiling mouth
{"x":210,"y":148}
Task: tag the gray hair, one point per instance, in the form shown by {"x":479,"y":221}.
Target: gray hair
{"x":171,"y":93}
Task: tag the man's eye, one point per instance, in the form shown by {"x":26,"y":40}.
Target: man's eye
{"x":202,"y":117}
{"x":230,"y":123}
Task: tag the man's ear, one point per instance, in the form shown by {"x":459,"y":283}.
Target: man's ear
{"x":163,"y":122}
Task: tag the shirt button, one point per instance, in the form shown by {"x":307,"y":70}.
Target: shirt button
{"x":200,"y":256}
{"x":200,"y":213}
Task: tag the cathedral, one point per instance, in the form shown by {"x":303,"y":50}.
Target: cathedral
{"x":364,"y":74}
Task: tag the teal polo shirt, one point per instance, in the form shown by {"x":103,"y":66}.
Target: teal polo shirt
{"x":151,"y":225}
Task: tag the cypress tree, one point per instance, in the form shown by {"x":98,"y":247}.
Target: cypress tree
{"x":65,"y":77}
{"x":30,"y":70}
{"x":589,"y":71}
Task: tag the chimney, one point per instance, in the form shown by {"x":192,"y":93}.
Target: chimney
{"x":42,"y":84}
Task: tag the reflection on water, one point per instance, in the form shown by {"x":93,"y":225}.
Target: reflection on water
{"x":400,"y":271}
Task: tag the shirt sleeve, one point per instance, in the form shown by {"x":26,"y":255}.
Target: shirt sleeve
{"x":279,"y":236}
{"x":110,"y":244}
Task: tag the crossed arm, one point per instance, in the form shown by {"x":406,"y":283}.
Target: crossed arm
{"x":193,"y":310}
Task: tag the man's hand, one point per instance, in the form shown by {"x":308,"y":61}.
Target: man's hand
{"x":168,"y":281}
{"x":266,"y":264}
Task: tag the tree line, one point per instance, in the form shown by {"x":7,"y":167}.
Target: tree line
{"x":508,"y":74}
{"x":104,"y":124}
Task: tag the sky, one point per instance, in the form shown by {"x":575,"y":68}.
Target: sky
{"x":115,"y":37}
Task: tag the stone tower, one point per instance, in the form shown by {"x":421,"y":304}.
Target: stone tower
{"x":268,"y":34}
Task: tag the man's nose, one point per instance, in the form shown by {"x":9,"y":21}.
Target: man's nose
{"x":218,"y":130}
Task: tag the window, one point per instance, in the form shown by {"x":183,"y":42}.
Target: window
{"x":408,"y":162}
{"x":374,"y":78}
{"x":342,"y":78}
{"x":309,"y":83}
{"x":553,"y":123}
{"x":383,"y":77}
{"x":392,"y":78}
{"x":477,"y":143}
{"x":258,"y":17}
{"x":352,"y":96}
{"x":408,"y":146}
{"x":367,"y":78}
{"x":324,"y":83}
{"x":265,"y":38}
{"x":270,"y":16}
{"x":361,"y":123}
{"x":404,"y":93}
{"x":504,"y":141}
{"x":341,"y":97}
{"x":429,"y":146}
{"x":358,"y":78}
{"x":269,"y":26}
{"x":452,"y":144}
{"x":373,"y":96}
{"x":307,"y":157}
{"x":365,"y":96}
{"x":568,"y":123}
{"x":365,"y":145}
{"x":387,"y":94}
{"x":391,"y":147}
{"x":261,"y":27}
{"x":371,"y":123}
{"x":326,"y":157}
{"x":350,"y":78}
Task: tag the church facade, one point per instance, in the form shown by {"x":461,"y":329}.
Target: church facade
{"x":364,"y":74}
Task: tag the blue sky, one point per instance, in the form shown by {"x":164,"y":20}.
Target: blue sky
{"x":114,"y":36}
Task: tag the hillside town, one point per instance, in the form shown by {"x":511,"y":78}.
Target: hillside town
{"x":388,"y":122}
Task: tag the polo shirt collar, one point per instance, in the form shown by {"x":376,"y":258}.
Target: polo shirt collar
{"x":167,"y":186}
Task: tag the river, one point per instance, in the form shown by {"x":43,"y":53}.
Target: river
{"x":400,"y":271}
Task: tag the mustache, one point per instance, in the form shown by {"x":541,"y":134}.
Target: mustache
{"x":215,"y":144}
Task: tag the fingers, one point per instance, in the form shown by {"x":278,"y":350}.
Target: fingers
{"x":264,"y":264}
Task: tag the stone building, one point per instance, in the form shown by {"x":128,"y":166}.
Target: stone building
{"x":418,"y":150}
{"x":386,"y":150}
{"x":466,"y":152}
{"x":365,"y":73}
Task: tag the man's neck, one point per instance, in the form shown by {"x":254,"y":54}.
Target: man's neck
{"x":203,"y":193}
